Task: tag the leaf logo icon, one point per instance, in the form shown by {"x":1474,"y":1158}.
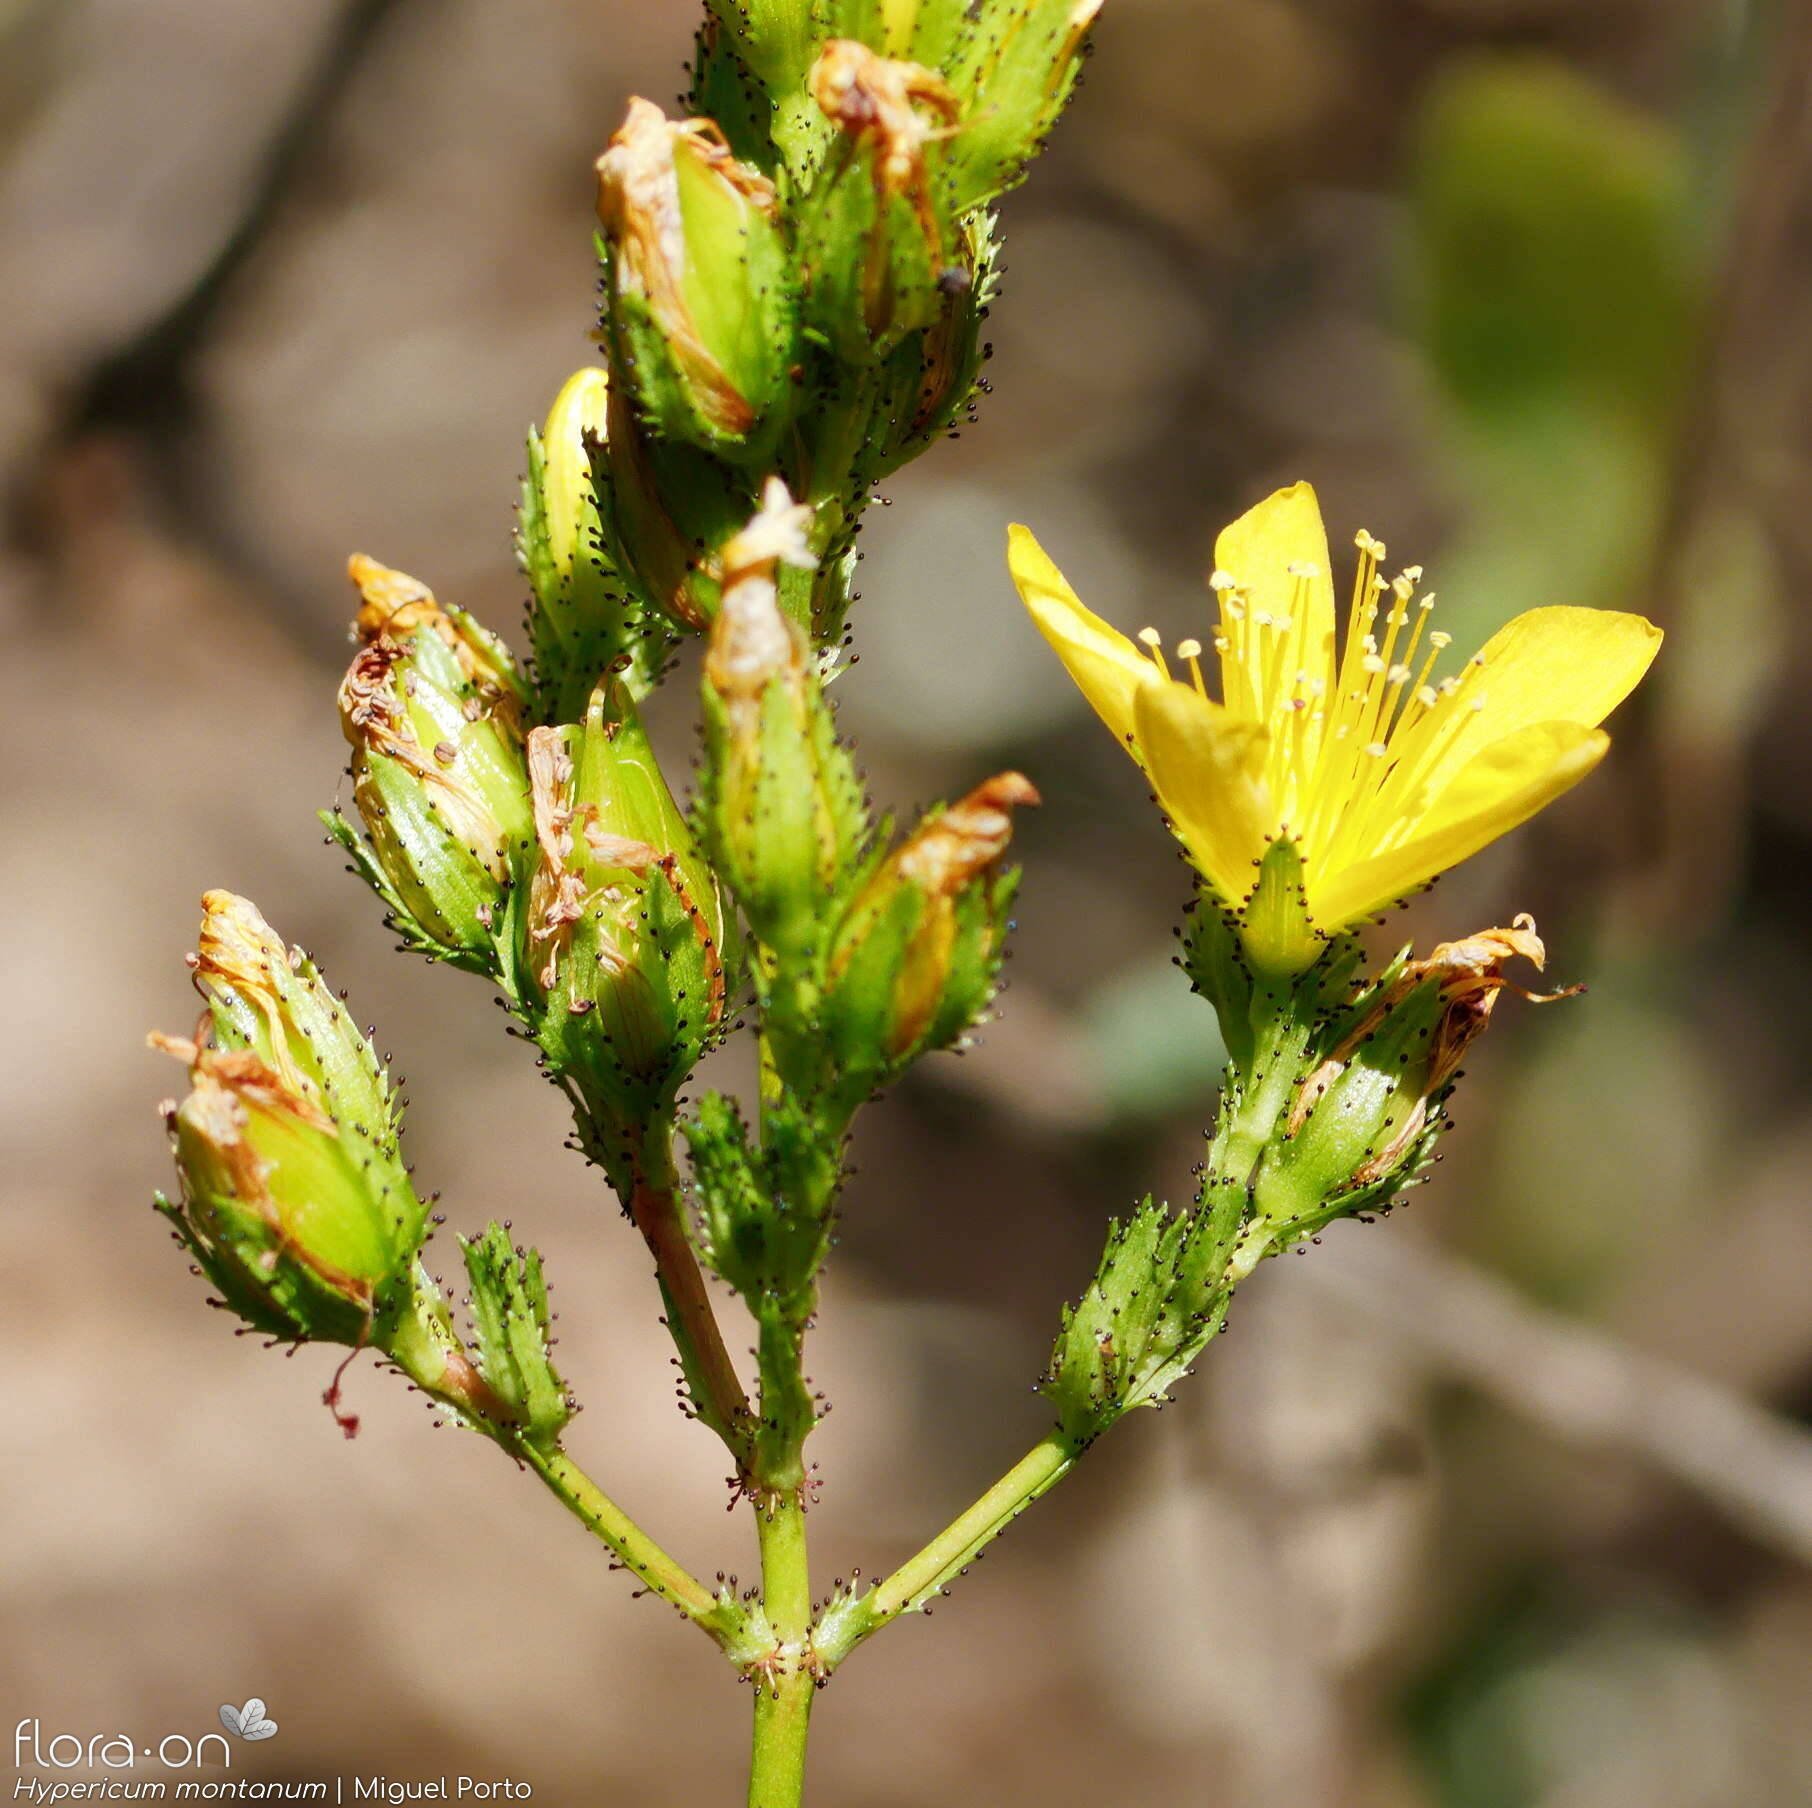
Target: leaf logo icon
{"x":249,"y":1721}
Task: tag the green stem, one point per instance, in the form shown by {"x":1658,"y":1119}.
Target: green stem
{"x":783,"y":1712}
{"x":910,"y":1586}
{"x":421,"y":1343}
{"x":711,"y":1378}
{"x":633,"y":1548}
{"x":786,"y":1580}
{"x":786,"y":1683}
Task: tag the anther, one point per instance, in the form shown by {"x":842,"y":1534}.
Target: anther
{"x":1191,"y":650}
{"x":1155,"y":646}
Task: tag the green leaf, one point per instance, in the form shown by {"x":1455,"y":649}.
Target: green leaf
{"x":511,"y":1325}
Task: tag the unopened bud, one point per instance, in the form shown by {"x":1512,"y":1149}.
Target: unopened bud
{"x":577,"y":421}
{"x":781,"y":811}
{"x":623,"y":930}
{"x":926,"y":30}
{"x":753,"y":642}
{"x":432,"y":706}
{"x":934,"y":375}
{"x":583,"y":621}
{"x":915,"y":959}
{"x":882,"y":241}
{"x":1365,"y":1119}
{"x":295,"y":1201}
{"x":668,"y":507}
{"x":699,"y":293}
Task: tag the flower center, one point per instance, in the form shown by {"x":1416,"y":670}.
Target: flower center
{"x":1354,"y":733}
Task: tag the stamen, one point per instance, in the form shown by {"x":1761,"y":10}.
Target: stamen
{"x":1191,"y":650}
{"x":1154,"y":645}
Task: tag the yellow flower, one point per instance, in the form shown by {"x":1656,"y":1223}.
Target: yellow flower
{"x":1379,"y":770}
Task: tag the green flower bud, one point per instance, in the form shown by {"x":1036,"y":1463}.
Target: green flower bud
{"x":1013,"y":71}
{"x":934,"y":374}
{"x":1364,"y":1122}
{"x":623,"y":930}
{"x":916,"y":958}
{"x":667,"y":508}
{"x":433,"y":706}
{"x":698,"y":291}
{"x":879,"y":244}
{"x":1159,"y":1294}
{"x":771,"y":41}
{"x":583,"y":621}
{"x":781,"y":810}
{"x":295,"y":1201}
{"x":766,"y":1209}
{"x":925,"y":30}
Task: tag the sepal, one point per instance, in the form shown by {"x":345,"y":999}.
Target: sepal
{"x":926,"y":31}
{"x":933,"y":376}
{"x":1013,"y":70}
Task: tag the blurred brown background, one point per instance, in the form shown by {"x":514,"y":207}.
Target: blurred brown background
{"x":1505,"y":1505}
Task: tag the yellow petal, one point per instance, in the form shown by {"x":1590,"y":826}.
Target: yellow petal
{"x":1106,"y":666}
{"x":1558,"y":664}
{"x":1258,"y":551}
{"x":1207,"y":767}
{"x":1500,"y":787}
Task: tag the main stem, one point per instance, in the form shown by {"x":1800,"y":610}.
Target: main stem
{"x":784,"y":1691}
